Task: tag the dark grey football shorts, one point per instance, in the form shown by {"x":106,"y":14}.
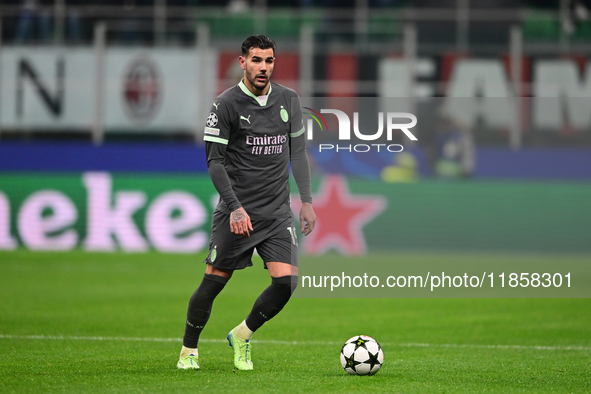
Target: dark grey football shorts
{"x":274,"y":240}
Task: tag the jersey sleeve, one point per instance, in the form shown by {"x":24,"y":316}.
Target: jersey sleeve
{"x":300,"y":167}
{"x":297,"y":123}
{"x":218,"y":123}
{"x":216,"y":137}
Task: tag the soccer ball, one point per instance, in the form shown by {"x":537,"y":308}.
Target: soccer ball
{"x":362,"y":355}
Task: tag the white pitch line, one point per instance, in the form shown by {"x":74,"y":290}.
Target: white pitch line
{"x":293,"y":343}
{"x":525,"y":347}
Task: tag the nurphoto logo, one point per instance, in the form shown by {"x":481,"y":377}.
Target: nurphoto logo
{"x":392,"y":120}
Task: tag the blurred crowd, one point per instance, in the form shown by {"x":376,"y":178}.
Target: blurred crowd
{"x":208,"y":3}
{"x":551,"y":4}
{"x":37,"y":20}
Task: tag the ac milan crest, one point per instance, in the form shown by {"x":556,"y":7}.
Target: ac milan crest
{"x":142,"y":89}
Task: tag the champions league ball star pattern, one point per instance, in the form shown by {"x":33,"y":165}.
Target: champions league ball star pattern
{"x":362,"y":355}
{"x":212,"y":120}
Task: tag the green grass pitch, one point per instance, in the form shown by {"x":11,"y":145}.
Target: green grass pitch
{"x":94,"y":322}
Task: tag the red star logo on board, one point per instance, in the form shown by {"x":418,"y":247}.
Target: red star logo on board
{"x":340,"y":217}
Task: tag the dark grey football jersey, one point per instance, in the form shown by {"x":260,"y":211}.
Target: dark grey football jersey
{"x":257,"y":134}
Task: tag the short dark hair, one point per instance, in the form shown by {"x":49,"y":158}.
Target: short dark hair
{"x":259,"y":41}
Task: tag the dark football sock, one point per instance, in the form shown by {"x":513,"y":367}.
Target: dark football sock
{"x":200,"y":307}
{"x":271,"y":301}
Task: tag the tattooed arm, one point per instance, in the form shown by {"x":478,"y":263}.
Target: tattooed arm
{"x":240,"y":222}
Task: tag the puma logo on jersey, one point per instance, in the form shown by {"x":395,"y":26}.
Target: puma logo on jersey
{"x":247,"y":119}
{"x":216,"y":105}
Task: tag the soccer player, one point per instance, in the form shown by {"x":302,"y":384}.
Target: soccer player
{"x":252,"y":134}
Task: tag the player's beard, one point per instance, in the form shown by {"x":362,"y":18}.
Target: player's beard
{"x":253,"y":79}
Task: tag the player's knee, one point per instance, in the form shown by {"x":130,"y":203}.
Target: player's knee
{"x":211,"y":270}
{"x":286,"y":283}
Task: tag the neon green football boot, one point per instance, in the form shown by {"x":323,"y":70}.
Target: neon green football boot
{"x":242,"y":360}
{"x":188,"y":362}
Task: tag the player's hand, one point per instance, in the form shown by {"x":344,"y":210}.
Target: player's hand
{"x":307,"y":218}
{"x":240,"y":223}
